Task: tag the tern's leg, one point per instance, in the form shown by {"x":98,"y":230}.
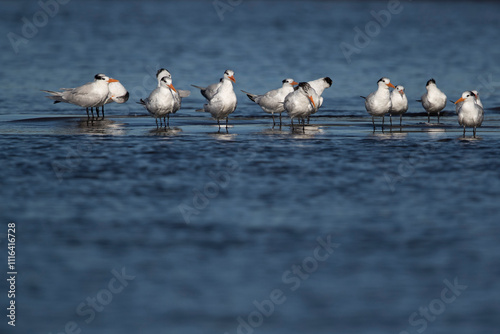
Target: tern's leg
{"x":428,"y":117}
{"x":168,"y":120}
{"x":218,"y":123}
{"x":401,"y":120}
{"x":383,"y":118}
{"x":464,"y":131}
{"x":102,"y":111}
{"x":390,"y":118}
{"x":87,"y":112}
{"x":474,"y":132}
{"x":373,"y":122}
{"x":280,"y":118}
{"x":438,"y":116}
{"x":308,"y":119}
{"x":97,"y":111}
{"x":227,"y":121}
{"x":156,"y":119}
{"x":274,"y":123}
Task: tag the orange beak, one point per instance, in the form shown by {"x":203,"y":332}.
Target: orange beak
{"x":460,"y":100}
{"x":294,"y":83}
{"x":113,"y":80}
{"x":232,"y":78}
{"x":391,"y":85}
{"x":312,"y":101}
{"x":172,"y":87}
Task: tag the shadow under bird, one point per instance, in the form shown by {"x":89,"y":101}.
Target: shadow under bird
{"x":470,"y":114}
{"x":378,"y":103}
{"x":434,"y":100}
{"x":273,"y":101}
{"x":301,"y":103}
{"x":399,"y":103}
{"x":221,"y":98}
{"x":163,"y":101}
{"x":91,"y":95}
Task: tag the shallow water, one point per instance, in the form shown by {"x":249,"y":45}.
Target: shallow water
{"x":213,"y":224}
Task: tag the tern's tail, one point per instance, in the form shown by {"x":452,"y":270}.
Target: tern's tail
{"x":250,"y":95}
{"x":364,"y":97}
{"x":200,"y":88}
{"x":56,"y":96}
{"x":141,"y":102}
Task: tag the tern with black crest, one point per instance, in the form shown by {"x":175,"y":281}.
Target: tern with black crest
{"x":470,"y":114}
{"x":273,"y":101}
{"x":434,"y":100}
{"x":91,"y":95}
{"x":378,"y":103}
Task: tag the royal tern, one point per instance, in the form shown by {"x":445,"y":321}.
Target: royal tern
{"x":163,"y":72}
{"x":399,"y":103}
{"x":221,"y":98}
{"x":477,"y":99}
{"x":301,"y":103}
{"x":378,"y":103}
{"x":319,"y":85}
{"x":163,"y":101}
{"x":117,"y":93}
{"x":272,"y":101}
{"x":434,"y":100}
{"x":91,"y":95}
{"x":470,"y":113}
{"x":210,"y":91}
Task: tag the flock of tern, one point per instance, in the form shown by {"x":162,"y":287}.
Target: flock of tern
{"x":299,"y":100}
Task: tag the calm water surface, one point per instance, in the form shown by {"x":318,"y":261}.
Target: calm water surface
{"x":125,"y":229}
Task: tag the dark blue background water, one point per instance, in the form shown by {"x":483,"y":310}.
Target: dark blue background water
{"x":406,"y":209}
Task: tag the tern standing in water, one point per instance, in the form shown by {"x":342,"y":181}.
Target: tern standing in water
{"x":273,"y":101}
{"x":91,"y":95}
{"x":434,"y":100}
{"x":221,"y":98}
{"x":399,"y":103}
{"x":470,"y":114}
{"x":378,"y":103}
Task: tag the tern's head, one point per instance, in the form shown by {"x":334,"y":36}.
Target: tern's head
{"x":167,"y":82}
{"x":307,"y":89}
{"x":400,"y":89}
{"x":385,"y":83}
{"x":229,"y":74}
{"x":290,"y":82}
{"x":328,"y":81}
{"x":431,"y":82}
{"x":103,"y":77}
{"x":163,"y":72}
{"x":465,"y":96}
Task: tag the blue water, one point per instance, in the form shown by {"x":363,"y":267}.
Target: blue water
{"x":223,"y":232}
